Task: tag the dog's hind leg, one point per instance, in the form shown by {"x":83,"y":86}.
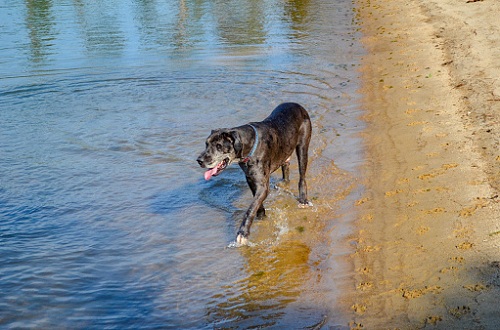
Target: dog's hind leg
{"x":302,"y":156}
{"x":285,"y":168}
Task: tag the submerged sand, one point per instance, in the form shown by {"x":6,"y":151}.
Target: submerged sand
{"x":428,"y":235}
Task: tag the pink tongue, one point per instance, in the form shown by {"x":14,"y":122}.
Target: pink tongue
{"x":209,"y":173}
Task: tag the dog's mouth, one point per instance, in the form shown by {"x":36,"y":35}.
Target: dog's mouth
{"x":217,"y":169}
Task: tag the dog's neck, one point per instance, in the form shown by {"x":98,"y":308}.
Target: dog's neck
{"x":254,"y":147}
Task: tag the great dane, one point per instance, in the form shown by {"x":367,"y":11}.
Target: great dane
{"x":260,"y":148}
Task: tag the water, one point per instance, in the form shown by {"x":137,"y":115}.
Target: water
{"x":105,"y":219}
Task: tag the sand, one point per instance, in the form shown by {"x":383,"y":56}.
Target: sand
{"x":427,"y":240}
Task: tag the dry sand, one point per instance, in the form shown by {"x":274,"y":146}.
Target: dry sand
{"x":428,"y":235}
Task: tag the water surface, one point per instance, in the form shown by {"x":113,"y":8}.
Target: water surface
{"x":105,"y":219}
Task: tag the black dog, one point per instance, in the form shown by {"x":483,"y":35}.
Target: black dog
{"x":260,"y":148}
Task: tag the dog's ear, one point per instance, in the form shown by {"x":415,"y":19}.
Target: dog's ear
{"x":236,"y":142}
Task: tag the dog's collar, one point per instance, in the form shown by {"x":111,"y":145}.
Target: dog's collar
{"x":254,"y":147}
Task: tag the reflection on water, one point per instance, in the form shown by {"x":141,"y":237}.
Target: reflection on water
{"x":101,"y":26}
{"x":92,"y":30}
{"x":40,"y":23}
{"x":275,"y":276}
{"x":106,"y":221}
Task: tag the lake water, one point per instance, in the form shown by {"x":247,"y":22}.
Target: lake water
{"x":105,"y":218}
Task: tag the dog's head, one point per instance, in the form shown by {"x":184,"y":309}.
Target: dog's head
{"x":222,"y":147}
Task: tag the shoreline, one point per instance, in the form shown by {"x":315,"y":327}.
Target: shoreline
{"x":427,"y":239}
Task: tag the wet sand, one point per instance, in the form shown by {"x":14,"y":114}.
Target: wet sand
{"x":427,"y":240}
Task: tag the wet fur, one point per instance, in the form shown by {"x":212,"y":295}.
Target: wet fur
{"x":287,"y":129}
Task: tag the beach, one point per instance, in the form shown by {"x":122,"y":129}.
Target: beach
{"x":427,"y":238}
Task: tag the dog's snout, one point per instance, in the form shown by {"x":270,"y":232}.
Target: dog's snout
{"x":200,"y":161}
{"x":204,"y":159}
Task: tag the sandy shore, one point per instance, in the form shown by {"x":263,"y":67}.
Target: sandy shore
{"x":428,"y":235}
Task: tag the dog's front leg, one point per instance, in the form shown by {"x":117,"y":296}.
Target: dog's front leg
{"x":261,"y":192}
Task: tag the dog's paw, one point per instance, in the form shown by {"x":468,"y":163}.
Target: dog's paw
{"x":242,"y":240}
{"x":305,"y":205}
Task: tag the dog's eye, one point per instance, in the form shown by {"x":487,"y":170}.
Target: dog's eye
{"x":218,"y":146}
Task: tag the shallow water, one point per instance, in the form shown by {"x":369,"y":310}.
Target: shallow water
{"x":105,"y":219}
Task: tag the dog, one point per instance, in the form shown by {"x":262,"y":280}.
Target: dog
{"x":260,"y":148}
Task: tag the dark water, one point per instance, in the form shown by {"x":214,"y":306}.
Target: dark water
{"x":105,"y":219}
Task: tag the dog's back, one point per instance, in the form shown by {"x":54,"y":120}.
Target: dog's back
{"x":285,"y":129}
{"x":288,"y":114}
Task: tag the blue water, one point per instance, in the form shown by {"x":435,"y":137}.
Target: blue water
{"x":105,"y":219}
